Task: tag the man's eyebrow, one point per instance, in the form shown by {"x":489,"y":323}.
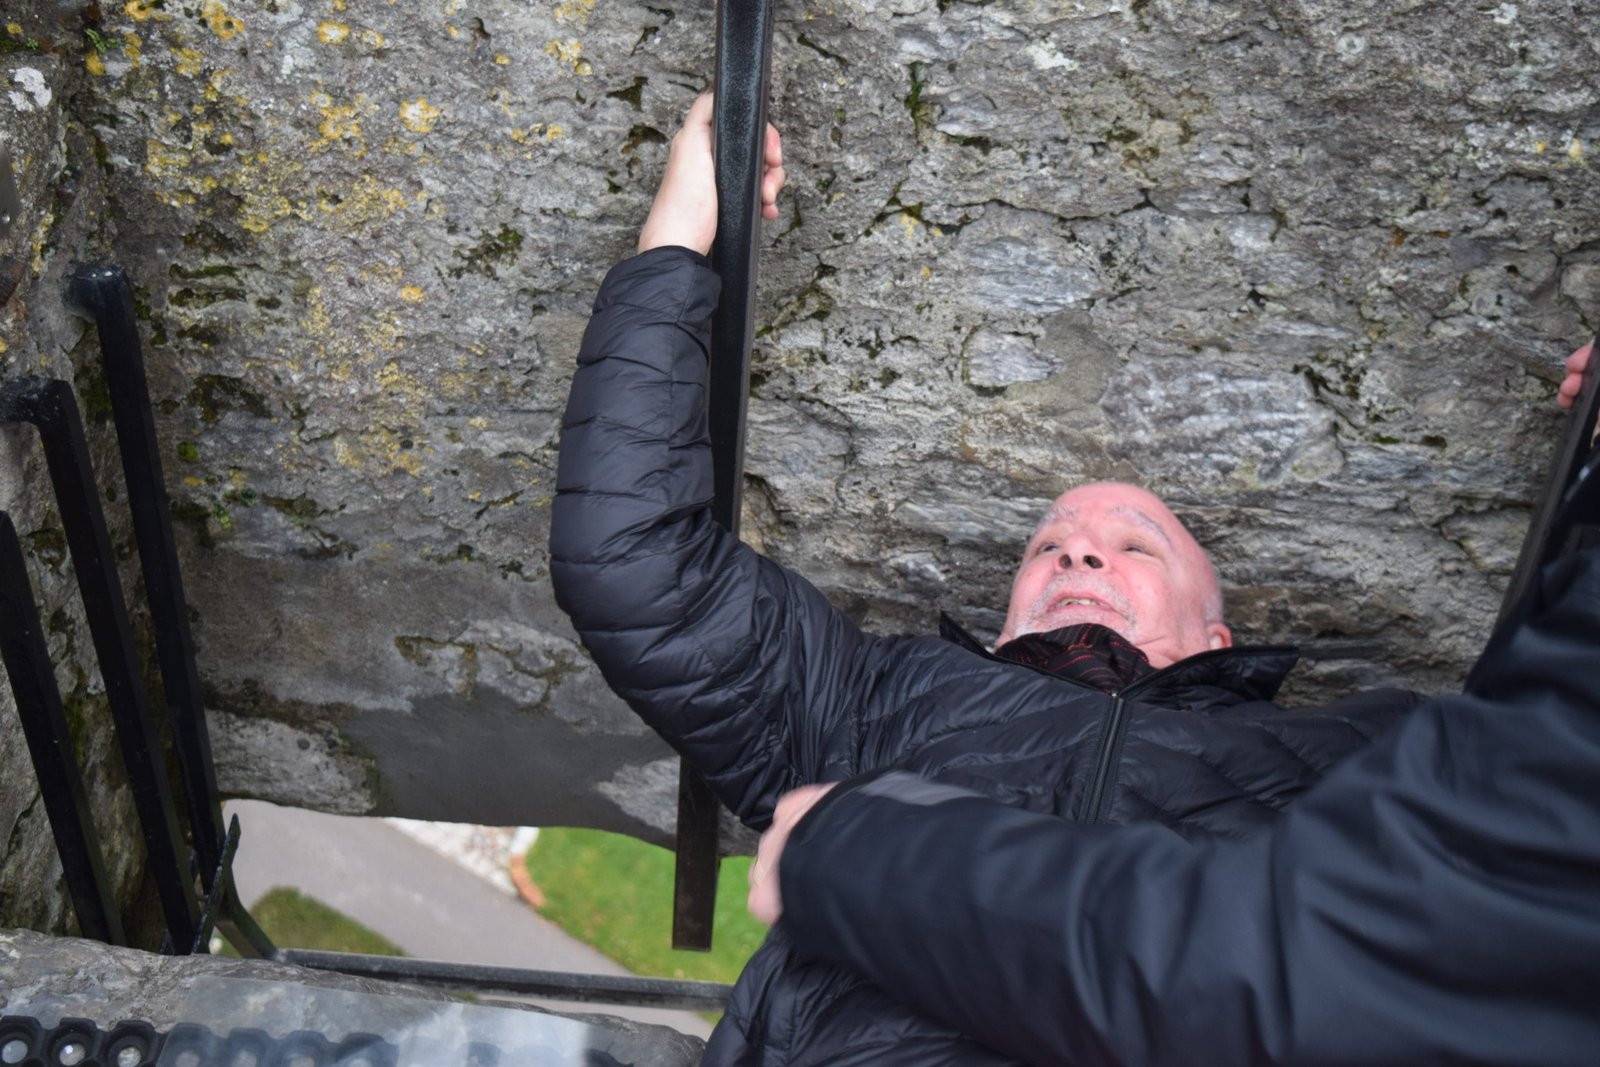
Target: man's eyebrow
{"x":1055,"y":513}
{"x":1138,"y":517}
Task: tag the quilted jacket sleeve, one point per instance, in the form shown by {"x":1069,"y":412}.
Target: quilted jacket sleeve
{"x":741,"y":666}
{"x":1432,"y":901}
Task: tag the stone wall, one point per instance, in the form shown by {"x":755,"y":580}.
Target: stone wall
{"x":1306,"y":268}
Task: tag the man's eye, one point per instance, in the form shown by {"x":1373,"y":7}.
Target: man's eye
{"x":1135,"y":546}
{"x":1048,"y":546}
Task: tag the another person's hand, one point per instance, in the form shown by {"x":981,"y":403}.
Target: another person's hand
{"x":1577,"y":363}
{"x":685,"y":209}
{"x":765,"y":901}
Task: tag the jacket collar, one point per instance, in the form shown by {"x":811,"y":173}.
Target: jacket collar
{"x":1252,"y":672}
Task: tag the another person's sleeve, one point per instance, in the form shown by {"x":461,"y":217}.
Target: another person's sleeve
{"x":1435,"y":900}
{"x":741,"y":665}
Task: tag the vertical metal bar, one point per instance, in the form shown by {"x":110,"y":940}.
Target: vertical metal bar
{"x":49,"y":405}
{"x":1545,"y":535}
{"x":744,"y":69}
{"x":44,"y":724}
{"x":103,"y":291}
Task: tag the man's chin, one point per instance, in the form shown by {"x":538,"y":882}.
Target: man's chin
{"x":1076,"y":615}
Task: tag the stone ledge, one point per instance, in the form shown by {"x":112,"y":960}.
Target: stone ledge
{"x":51,"y":978}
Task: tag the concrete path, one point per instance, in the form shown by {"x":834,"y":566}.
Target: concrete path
{"x":427,"y":904}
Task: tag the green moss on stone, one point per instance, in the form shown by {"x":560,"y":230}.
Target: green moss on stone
{"x":214,"y":395}
{"x":493,"y":251}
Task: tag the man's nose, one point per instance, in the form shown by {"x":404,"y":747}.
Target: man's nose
{"x":1080,"y":552}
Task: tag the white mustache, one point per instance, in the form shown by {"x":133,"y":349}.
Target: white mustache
{"x":1080,"y":585}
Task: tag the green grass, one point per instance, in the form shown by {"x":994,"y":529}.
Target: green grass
{"x":293,"y":920}
{"x":615,"y":893}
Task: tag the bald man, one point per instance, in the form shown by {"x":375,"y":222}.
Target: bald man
{"x":1115,"y":694}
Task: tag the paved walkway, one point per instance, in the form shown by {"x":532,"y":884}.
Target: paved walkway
{"x":429,"y":905}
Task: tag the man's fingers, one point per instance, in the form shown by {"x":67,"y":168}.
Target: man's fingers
{"x":765,"y":899}
{"x":771,"y":186}
{"x":1578,"y":362}
{"x":774,"y":147}
{"x":699,"y":113}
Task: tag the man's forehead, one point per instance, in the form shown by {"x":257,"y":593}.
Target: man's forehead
{"x":1059,"y":512}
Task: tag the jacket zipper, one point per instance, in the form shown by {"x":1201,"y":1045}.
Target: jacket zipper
{"x":1098,"y":788}
{"x":1111,"y":737}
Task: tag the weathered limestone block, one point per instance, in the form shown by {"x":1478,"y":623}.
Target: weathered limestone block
{"x":1306,"y":268}
{"x":49,"y":979}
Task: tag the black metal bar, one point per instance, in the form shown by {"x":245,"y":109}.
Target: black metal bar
{"x":49,"y":405}
{"x":103,"y":292}
{"x":1545,"y":536}
{"x":224,"y":911}
{"x":554,"y":985}
{"x":44,"y":724}
{"x":10,"y":202}
{"x":739,"y":124}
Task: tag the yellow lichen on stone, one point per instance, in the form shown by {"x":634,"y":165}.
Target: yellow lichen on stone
{"x":395,"y":380}
{"x":332,"y":32}
{"x":386,"y":272}
{"x":366,"y":203}
{"x":94,"y":64}
{"x":419,"y":115}
{"x":340,"y":125}
{"x":224,"y":25}
{"x":1575,"y":150}
{"x":163,"y":162}
{"x":336,"y":5}
{"x":412,"y":294}
{"x":502,"y":60}
{"x":372,"y":39}
{"x":190,"y":61}
{"x":14,"y":29}
{"x":577,"y":11}
{"x":382,"y":334}
{"x":137,"y":10}
{"x":133,"y":48}
{"x":259,"y":183}
{"x":315,"y":320}
{"x":453,"y":30}
{"x":909,"y":223}
{"x":570,"y":52}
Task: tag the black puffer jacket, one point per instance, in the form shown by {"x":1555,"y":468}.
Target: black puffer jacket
{"x":1435,"y":900}
{"x":749,"y":672}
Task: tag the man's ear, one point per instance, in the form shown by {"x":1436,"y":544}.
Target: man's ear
{"x":1219,"y":635}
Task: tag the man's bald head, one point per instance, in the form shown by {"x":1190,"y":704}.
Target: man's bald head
{"x":1114,"y":554}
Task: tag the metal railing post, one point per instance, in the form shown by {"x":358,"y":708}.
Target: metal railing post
{"x":744,"y":67}
{"x":49,"y":404}
{"x":104,"y":293}
{"x":44,"y":725}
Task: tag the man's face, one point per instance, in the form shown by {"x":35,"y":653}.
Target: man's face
{"x":1113,"y":554}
